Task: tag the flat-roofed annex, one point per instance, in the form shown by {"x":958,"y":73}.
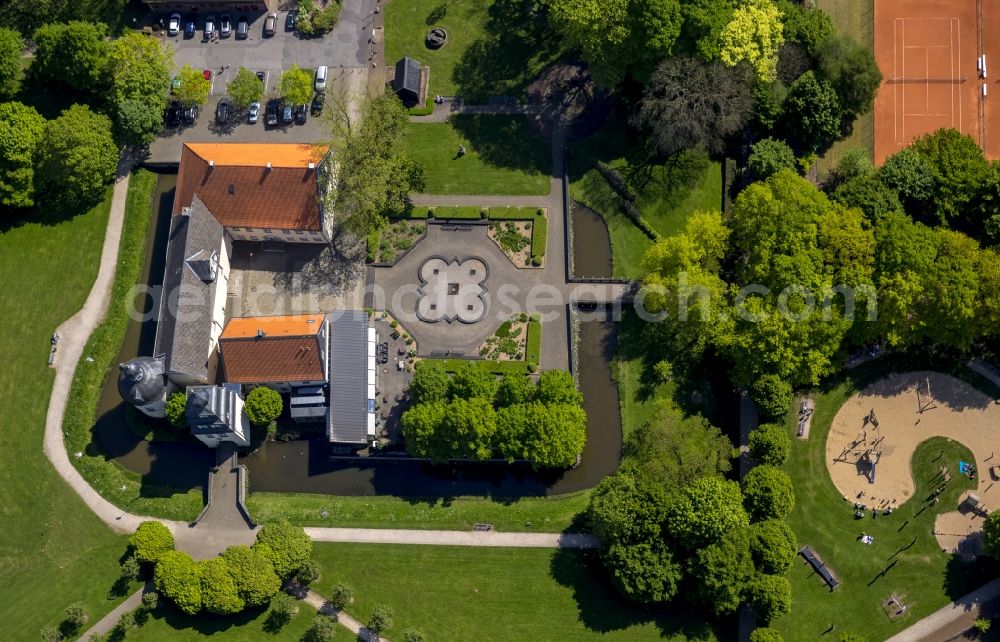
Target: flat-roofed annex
{"x":275,"y":326}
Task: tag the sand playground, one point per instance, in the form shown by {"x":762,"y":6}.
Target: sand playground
{"x":875,"y":433}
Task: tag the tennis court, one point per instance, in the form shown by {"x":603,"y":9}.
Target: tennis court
{"x":929,"y":53}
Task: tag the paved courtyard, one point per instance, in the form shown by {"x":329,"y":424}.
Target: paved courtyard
{"x":298,"y":279}
{"x":345,"y":50}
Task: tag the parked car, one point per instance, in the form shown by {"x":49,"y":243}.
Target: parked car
{"x":320,"y":81}
{"x":209,"y":27}
{"x":262,"y":76}
{"x":175,"y":84}
{"x":269,"y":22}
{"x":225,"y":26}
{"x":271,"y":117}
{"x":242,"y":28}
{"x":173,"y":116}
{"x":207,"y":74}
{"x":286,"y":113}
{"x":222,"y":110}
{"x":317,"y":104}
{"x":253,"y":113}
{"x":190,"y":115}
{"x":301,"y":111}
{"x":189,"y":28}
{"x":290,"y":20}
{"x":174,"y":24}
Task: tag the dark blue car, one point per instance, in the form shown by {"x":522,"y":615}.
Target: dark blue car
{"x":189,"y":28}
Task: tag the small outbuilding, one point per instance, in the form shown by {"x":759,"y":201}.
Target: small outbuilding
{"x":406,"y":82}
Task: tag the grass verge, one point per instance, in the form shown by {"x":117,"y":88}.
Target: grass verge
{"x":904,"y":559}
{"x":544,"y":514}
{"x":167,"y":623}
{"x":54,"y":550}
{"x":118,"y":485}
{"x":503,"y":156}
{"x":458,"y":593}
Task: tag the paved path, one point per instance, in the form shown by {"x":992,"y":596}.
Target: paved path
{"x":108,"y":622}
{"x":320,"y":603}
{"x":453,"y":538}
{"x":940,"y":624}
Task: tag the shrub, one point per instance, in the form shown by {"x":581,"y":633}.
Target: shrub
{"x":991,"y":534}
{"x":766,"y":635}
{"x":178,"y":577}
{"x":283,"y":608}
{"x":150,"y":541}
{"x":130,"y":569}
{"x":539,"y":236}
{"x":770,"y":596}
{"x":150,"y":600}
{"x":176,"y":405}
{"x":49,"y":634}
{"x":770,"y":444}
{"x":253,"y":573}
{"x":768,"y":157}
{"x":263,"y":405}
{"x":341,"y":596}
{"x":772,"y":394}
{"x":412,"y":635}
{"x":982,"y":625}
{"x":772,"y":545}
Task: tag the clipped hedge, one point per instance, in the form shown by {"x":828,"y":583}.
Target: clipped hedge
{"x":374,"y":240}
{"x":514,"y":213}
{"x":462,"y":212}
{"x":539,"y":236}
{"x":533,"y":342}
{"x":494,"y":367}
{"x":426,"y":110}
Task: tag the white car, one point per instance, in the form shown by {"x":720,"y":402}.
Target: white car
{"x":225,"y":26}
{"x":254,"y":113}
{"x":174,"y":25}
{"x":209,"y":27}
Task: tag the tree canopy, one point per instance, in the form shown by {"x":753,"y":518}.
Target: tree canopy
{"x":772,"y":546}
{"x":768,"y":493}
{"x":178,"y":577}
{"x":150,"y":541}
{"x":852,"y":72}
{"x":296,"y":85}
{"x":991,"y":534}
{"x":245,"y":88}
{"x":813,"y":113}
{"x":263,"y":405}
{"x":770,"y":444}
{"x":253,"y":574}
{"x":139,"y":68}
{"x":71,"y":55}
{"x":704,"y":511}
{"x":724,"y":570}
{"x":21,"y":132}
{"x":11,"y":46}
{"x":374,"y":174}
{"x":770,"y":596}
{"x":219,"y":594}
{"x":430,"y":382}
{"x":768,"y":157}
{"x":194,"y":87}
{"x":690,"y":102}
{"x":77,"y":157}
{"x":754,"y":35}
{"x":285,"y":545}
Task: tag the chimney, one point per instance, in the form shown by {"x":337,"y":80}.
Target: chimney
{"x":268,"y":166}
{"x":261,"y":334}
{"x":211,"y":163}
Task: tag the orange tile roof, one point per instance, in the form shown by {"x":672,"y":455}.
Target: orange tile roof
{"x":240,"y":191}
{"x":271,"y":359}
{"x":276,"y":326}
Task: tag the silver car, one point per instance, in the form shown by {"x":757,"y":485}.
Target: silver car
{"x":225,"y":26}
{"x":254,"y":113}
{"x":174,"y":25}
{"x":209,"y":27}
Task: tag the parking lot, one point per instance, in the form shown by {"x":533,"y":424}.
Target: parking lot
{"x":345,"y":51}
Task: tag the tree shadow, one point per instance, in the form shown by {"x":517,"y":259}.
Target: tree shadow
{"x":505,"y":141}
{"x":602,"y":609}
{"x":505,"y":60}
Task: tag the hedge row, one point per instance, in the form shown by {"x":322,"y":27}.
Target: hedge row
{"x":533,"y":342}
{"x":462,"y":212}
{"x":374,"y":240}
{"x":539,"y":236}
{"x":533,"y":355}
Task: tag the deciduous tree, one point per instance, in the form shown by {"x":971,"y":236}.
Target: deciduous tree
{"x":805,"y":25}
{"x":557,"y":387}
{"x":430,"y":382}
{"x":770,"y":444}
{"x":991,"y":534}
{"x":645,"y":571}
{"x":766,"y":634}
{"x":178,"y":577}
{"x":219,"y":594}
{"x":768,"y":157}
{"x":513,"y":389}
{"x":194,"y":87}
{"x":72,"y":55}
{"x":770,"y":596}
{"x":263,"y":405}
{"x":176,"y":407}
{"x":852,"y":72}
{"x":253,"y":573}
{"x":472,"y":382}
{"x":754,"y":35}
{"x":245,"y":88}
{"x":772,"y":545}
{"x":77,"y":157}
{"x":21,"y":132}
{"x":296,"y":85}
{"x":548,"y":435}
{"x":139,"y":68}
{"x":813,"y":113}
{"x":374,"y":175}
{"x":287,"y":546}
{"x":724,"y":571}
{"x":150,"y":541}
{"x":690,"y":102}
{"x":704,"y":511}
{"x":380,"y":620}
{"x":11,"y":46}
{"x":768,"y":493}
{"x":322,"y":629}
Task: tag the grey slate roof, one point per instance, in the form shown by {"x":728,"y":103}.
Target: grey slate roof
{"x":347,"y":421}
{"x":211,"y":410}
{"x":183,"y":331}
{"x":406,"y":82}
{"x":142,"y":380}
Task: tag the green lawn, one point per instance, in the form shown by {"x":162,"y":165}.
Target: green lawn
{"x":503,"y":156}
{"x":903,"y":541}
{"x":54,"y":551}
{"x":855,"y":18}
{"x":170,"y":625}
{"x":116,"y":484}
{"x":544,"y":514}
{"x":667,"y":194}
{"x":492,"y":48}
{"x":459,"y":593}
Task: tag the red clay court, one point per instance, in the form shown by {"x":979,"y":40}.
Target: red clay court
{"x":928,"y":51}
